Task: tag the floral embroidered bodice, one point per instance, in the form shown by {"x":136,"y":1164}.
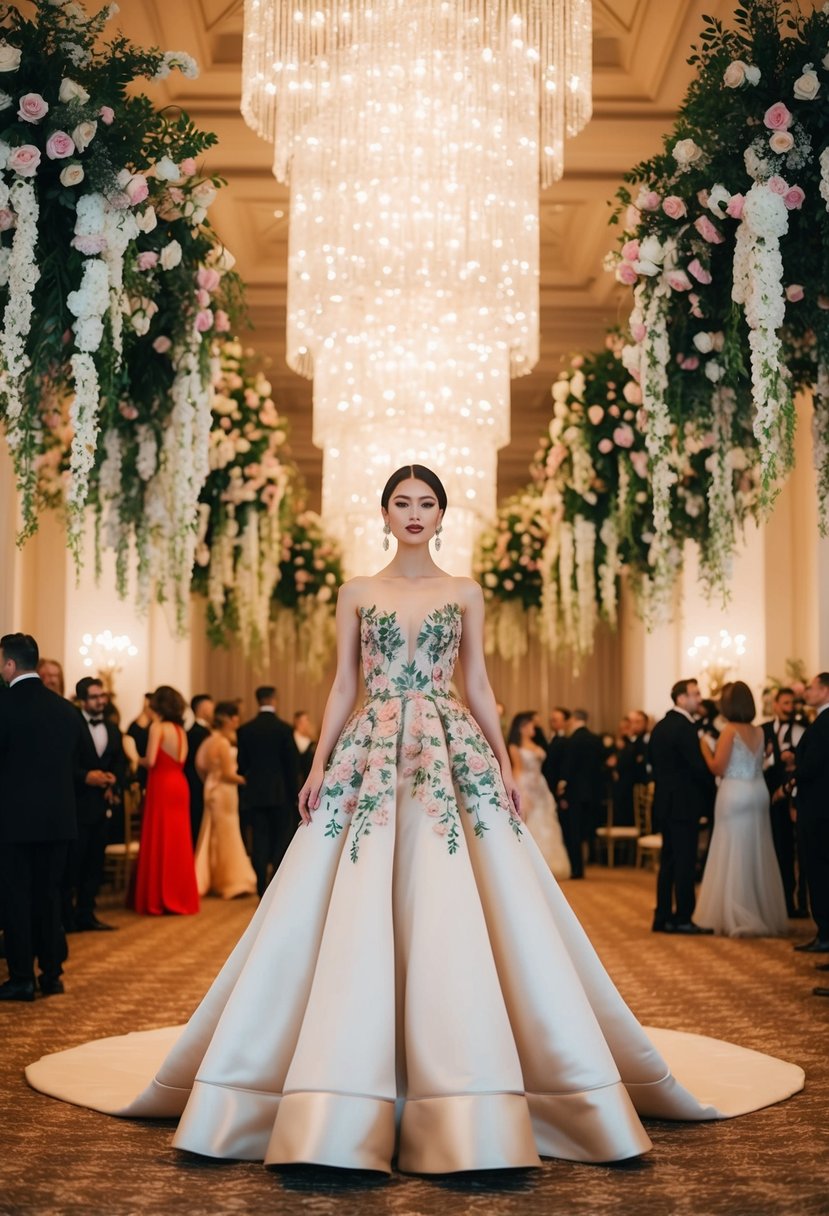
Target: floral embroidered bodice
{"x":744,"y":764}
{"x":412,"y":742}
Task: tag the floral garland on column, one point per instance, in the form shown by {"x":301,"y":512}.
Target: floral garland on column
{"x":244,"y":505}
{"x":507,"y":564}
{"x":735,"y":211}
{"x":304,"y":600}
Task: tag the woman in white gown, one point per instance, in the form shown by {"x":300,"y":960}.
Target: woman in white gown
{"x":538,"y":808}
{"x":413,"y":985}
{"x":222,"y":866}
{"x":742,"y":891}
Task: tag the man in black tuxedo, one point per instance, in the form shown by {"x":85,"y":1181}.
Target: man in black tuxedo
{"x":683,"y":794}
{"x":268,"y":761}
{"x":812,"y":774}
{"x":580,"y":789}
{"x":100,"y":775}
{"x":631,"y":767}
{"x":39,"y":741}
{"x":202,"y":707}
{"x":551,"y":765}
{"x":781,"y":736}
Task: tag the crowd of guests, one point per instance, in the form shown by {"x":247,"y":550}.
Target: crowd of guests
{"x":217,"y":804}
{"x":741,"y":806}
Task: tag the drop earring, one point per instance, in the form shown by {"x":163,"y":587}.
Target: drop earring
{"x":438,"y":531}
{"x":386,"y":530}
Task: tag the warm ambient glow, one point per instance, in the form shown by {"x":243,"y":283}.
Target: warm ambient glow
{"x":414,"y":136}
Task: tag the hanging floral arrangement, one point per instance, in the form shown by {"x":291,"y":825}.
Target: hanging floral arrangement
{"x":507,"y":563}
{"x":244,"y":504}
{"x":725,"y":243}
{"x":304,"y":600}
{"x":87,"y":174}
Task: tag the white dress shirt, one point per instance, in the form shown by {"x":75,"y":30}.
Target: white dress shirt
{"x":98,"y":731}
{"x":27,"y":675}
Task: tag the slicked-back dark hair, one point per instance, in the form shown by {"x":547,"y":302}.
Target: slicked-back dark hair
{"x":264,"y":693}
{"x":83,"y":686}
{"x":420,"y":473}
{"x":196,"y":701}
{"x":224,"y":711}
{"x":680,"y":689}
{"x":22,"y":649}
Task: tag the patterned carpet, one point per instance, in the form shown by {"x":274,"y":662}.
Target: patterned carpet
{"x":61,"y":1160}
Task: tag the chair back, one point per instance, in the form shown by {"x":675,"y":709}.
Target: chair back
{"x":643,"y":807}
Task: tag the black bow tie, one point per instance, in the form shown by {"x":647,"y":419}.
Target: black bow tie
{"x":96,"y":721}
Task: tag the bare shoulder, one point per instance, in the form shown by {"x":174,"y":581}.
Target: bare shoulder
{"x":354,"y":592}
{"x":467,"y":592}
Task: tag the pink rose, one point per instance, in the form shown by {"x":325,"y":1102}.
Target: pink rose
{"x":441,"y":829}
{"x":202,"y":298}
{"x":385,"y":729}
{"x":605,"y":446}
{"x":648,"y":200}
{"x":59,"y":145}
{"x":381,"y":816}
{"x":128,"y":411}
{"x":221,"y":321}
{"x":161,"y":345}
{"x":632,"y":217}
{"x":778,"y":185}
{"x":777,"y":117}
{"x":433,"y":811}
{"x":639,"y":461}
{"x":477,"y":764}
{"x":7,"y":219}
{"x":735,"y":206}
{"x":146,"y":260}
{"x":341,"y":771}
{"x":688,"y":363}
{"x":106,"y":115}
{"x":781,"y":142}
{"x":626,"y":274}
{"x":678,"y":280}
{"x":632,"y":393}
{"x":595,"y":413}
{"x":696,"y":268}
{"x":794,"y":198}
{"x":794,"y":293}
{"x":32,"y":108}
{"x":208,"y":278}
{"x":350,"y":805}
{"x":24,"y":160}
{"x":137,"y":189}
{"x":623,"y":436}
{"x":708,"y":231}
{"x":614,"y":411}
{"x":89,"y":245}
{"x":204,"y":320}
{"x":630,"y":251}
{"x":638,"y":332}
{"x":674,"y":207}
{"x":823,"y":302}
{"x":696,"y":311}
{"x":387,"y":712}
{"x":188,"y":166}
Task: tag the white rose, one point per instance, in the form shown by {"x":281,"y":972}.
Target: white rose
{"x":5,"y":258}
{"x":84,"y":134}
{"x":70,"y":90}
{"x":686,"y":152}
{"x":644,"y":266}
{"x":577,"y":384}
{"x":734,"y":76}
{"x":204,"y":194}
{"x":714,"y":371}
{"x":561,"y":390}
{"x":807,"y":86}
{"x":9,"y":57}
{"x":72,"y":175}
{"x":781,"y":142}
{"x":147,"y":220}
{"x":704,"y":343}
{"x":170,"y":255}
{"x":650,"y":250}
{"x":752,"y":73}
{"x":718,"y":199}
{"x":166,"y":170}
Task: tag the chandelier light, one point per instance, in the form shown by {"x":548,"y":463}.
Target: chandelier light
{"x":414,"y":135}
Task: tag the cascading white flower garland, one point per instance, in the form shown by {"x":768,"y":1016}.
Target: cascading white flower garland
{"x":824,"y":176}
{"x":610,"y":567}
{"x":758,"y":287}
{"x":721,"y":503}
{"x":566,"y":571}
{"x":584,"y":537}
{"x":23,"y":275}
{"x":820,"y":444}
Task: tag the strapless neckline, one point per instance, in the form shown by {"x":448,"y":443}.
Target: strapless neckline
{"x":392,"y":612}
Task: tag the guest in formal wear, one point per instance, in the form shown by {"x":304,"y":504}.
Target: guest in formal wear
{"x":100,"y":776}
{"x":39,"y":741}
{"x":812,"y":776}
{"x":631,"y":766}
{"x":202,"y":707}
{"x":782,"y":735}
{"x":222,"y":865}
{"x":580,"y":789}
{"x":305,"y":744}
{"x":683,"y":795}
{"x":165,"y":878}
{"x":742,"y":891}
{"x":268,"y":762}
{"x":538,"y":808}
{"x":551,"y":768}
{"x":51,"y":675}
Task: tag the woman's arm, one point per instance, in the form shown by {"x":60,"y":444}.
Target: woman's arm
{"x":515,"y":759}
{"x":341,"y":698}
{"x":153,"y":743}
{"x":479,"y":694}
{"x":718,"y":763}
{"x":227,"y":769}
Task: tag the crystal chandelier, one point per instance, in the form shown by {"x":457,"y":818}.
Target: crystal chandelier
{"x":414,"y":134}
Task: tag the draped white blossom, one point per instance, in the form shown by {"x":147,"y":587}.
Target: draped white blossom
{"x":23,"y":275}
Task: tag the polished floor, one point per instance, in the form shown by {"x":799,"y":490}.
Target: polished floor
{"x":61,"y":1160}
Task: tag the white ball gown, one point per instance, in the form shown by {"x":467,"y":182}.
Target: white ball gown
{"x":413,"y":985}
{"x":538,"y":810}
{"x":742,"y":891}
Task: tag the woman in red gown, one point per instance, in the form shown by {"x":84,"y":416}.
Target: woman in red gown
{"x":165,"y":879}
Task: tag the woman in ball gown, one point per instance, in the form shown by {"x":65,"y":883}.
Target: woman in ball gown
{"x":413,"y":985}
{"x":742,"y":891}
{"x":165,"y":879}
{"x":538,"y":808}
{"x":222,"y":866}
